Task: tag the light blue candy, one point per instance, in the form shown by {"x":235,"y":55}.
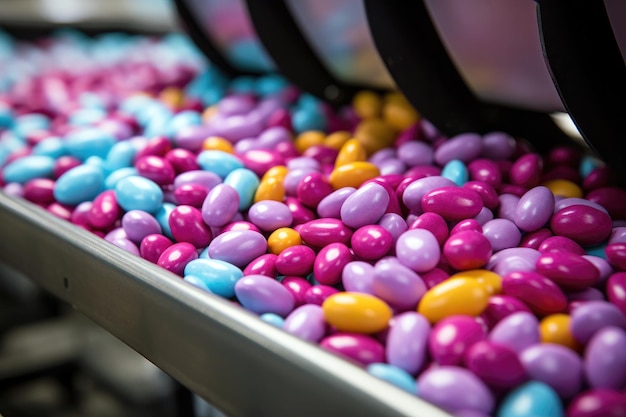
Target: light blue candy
{"x":245,"y":182}
{"x":158,"y":124}
{"x":29,"y":167}
{"x":134,"y":104}
{"x":588,"y":164}
{"x":163,"y":215}
{"x":219,"y":276}
{"x":138,"y":193}
{"x":52,"y":146}
{"x":304,"y":119}
{"x":9,"y":143}
{"x":82,"y":183}
{"x":394,"y":375}
{"x":273,"y":319}
{"x":88,"y":142}
{"x":114,"y":177}
{"x":197,"y":282}
{"x":181,"y":120}
{"x":219,"y":162}
{"x":121,"y":155}
{"x":456,"y":171}
{"x":28,"y":123}
{"x":87,"y":117}
{"x":533,"y":399}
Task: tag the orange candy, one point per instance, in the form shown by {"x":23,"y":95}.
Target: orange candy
{"x":555,"y":328}
{"x":215,"y":143}
{"x":283,"y":238}
{"x":454,"y":296}
{"x":356,"y":312}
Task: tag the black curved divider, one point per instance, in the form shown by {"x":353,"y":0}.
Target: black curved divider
{"x":203,"y":41}
{"x":588,"y":70}
{"x":419,"y":63}
{"x":291,"y":52}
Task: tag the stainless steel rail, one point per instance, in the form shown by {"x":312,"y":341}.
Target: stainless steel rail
{"x":228,"y":356}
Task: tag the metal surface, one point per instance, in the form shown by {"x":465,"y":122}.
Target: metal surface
{"x":240,"y":364}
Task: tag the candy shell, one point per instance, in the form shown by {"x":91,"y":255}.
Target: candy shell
{"x":356,"y":312}
{"x":463,"y":296}
{"x":262,"y":294}
{"x":531,"y":399}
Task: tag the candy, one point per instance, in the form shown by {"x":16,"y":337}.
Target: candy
{"x":186,"y":225}
{"x":418,"y":249}
{"x":79,"y":184}
{"x":502,"y":234}
{"x":137,"y":193}
{"x":583,"y":224}
{"x":358,"y":276}
{"x":533,"y":398}
{"x":371,"y":242}
{"x":537,"y":291}
{"x":270,"y":215}
{"x":353,"y":174}
{"x":452,"y":203}
{"x":296,"y":260}
{"x":358,"y":347}
{"x":452,"y":337}
{"x":497,"y":365}
{"x":526,"y":170}
{"x":218,"y":276}
{"x":355,"y":312}
{"x":453,"y":296}
{"x":263,"y":265}
{"x":237,"y":247}
{"x":398,"y":285}
{"x":330,"y":262}
{"x":324,"y":231}
{"x":616,"y":290}
{"x":592,"y":316}
{"x":554,"y":365}
{"x":555,"y":328}
{"x":464,"y":147}
{"x":407,"y":341}
{"x":220,"y":205}
{"x":393,"y":375}
{"x":597,"y":402}
{"x":605,"y":363}
{"x":176,"y":256}
{"x":534,"y":209}
{"x":467,"y":249}
{"x":263,"y":294}
{"x":306,"y":322}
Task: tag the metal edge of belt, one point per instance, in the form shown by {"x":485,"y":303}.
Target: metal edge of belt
{"x":223,"y":353}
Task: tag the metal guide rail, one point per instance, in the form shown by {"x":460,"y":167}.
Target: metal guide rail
{"x":225,"y":354}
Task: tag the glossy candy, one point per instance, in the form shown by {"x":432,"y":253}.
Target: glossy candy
{"x":237,"y":247}
{"x":502,"y":234}
{"x":467,"y":250}
{"x":605,"y":363}
{"x":598,"y":403}
{"x":463,"y":296}
{"x":418,"y":249}
{"x":324,"y":231}
{"x":371,"y":242}
{"x":296,"y":260}
{"x":82,"y":183}
{"x":358,"y":276}
{"x":537,"y":291}
{"x":393,"y":375}
{"x":592,"y":316}
{"x":306,"y":322}
{"x":355,"y":312}
{"x":517,"y":331}
{"x":262,"y":294}
{"x":138,"y":193}
{"x":583,"y":224}
{"x":360,"y":348}
{"x":138,"y":224}
{"x":365,"y":206}
{"x":175,"y":257}
{"x":452,"y":203}
{"x":451,"y":337}
{"x":186,"y":225}
{"x":534,"y":209}
{"x":398,"y":285}
{"x":497,"y":365}
{"x":407,"y":340}
{"x":330,"y":262}
{"x":269,"y":215}
{"x":531,"y":399}
{"x":220,"y":205}
{"x":152,"y":246}
{"x":555,"y":365}
{"x":218,"y":276}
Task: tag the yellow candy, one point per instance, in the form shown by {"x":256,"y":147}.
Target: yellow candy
{"x":271,"y":188}
{"x":400,"y":115}
{"x":367,"y":104}
{"x":356,"y":312}
{"x":336,"y":139}
{"x":208,"y":113}
{"x":555,"y":328}
{"x":375,"y":134}
{"x":172,"y":96}
{"x":353,"y":174}
{"x":215,"y":143}
{"x":279,"y":172}
{"x":351,"y":151}
{"x":490,"y":280}
{"x":309,"y":138}
{"x":564,"y":188}
{"x":453,"y":296}
{"x":283,"y":238}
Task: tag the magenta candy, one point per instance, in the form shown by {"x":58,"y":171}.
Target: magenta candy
{"x":598,"y":403}
{"x":560,"y":243}
{"x":298,"y":287}
{"x":501,"y":306}
{"x":325,"y":155}
{"x":64,"y":164}
{"x":330,"y":206}
{"x":534,"y":239}
{"x":182,"y":160}
{"x":39,"y":190}
{"x":407,"y":339}
{"x":418,"y":249}
{"x":534,"y":209}
{"x":526,"y":170}
{"x":434,"y":223}
{"x":485,"y":171}
{"x":465,"y":147}
{"x":317,"y":294}
{"x":262,"y":294}
{"x":220,"y":205}
{"x":324,"y":231}
{"x":414,"y":191}
{"x":568,"y":270}
{"x":299,"y":212}
{"x":105,"y":211}
{"x":434,"y":276}
{"x":566,"y":202}
{"x":555,"y":365}
{"x":616,"y":290}
{"x":605,"y":362}
{"x":296,"y":260}
{"x":452,"y":203}
{"x":455,"y":389}
{"x":487,"y":193}
{"x":536,"y":291}
{"x":398,"y":285}
{"x":358,"y":276}
{"x":518,"y":331}
{"x":611,"y":198}
{"x":269,"y":215}
{"x":295,"y":176}
{"x":360,"y":348}
{"x":330,"y":262}
{"x":467,"y":224}
{"x":313,"y":188}
{"x":238,"y":247}
{"x":176,"y":256}
{"x":451,"y":337}
{"x":307,"y":322}
{"x":191,"y":195}
{"x":260,"y":161}
{"x":206,"y":179}
{"x":138,"y":224}
{"x":157,"y":146}
{"x":585,"y":225}
{"x":365,"y":206}
{"x":591,"y":316}
{"x":239,"y":225}
{"x":156,"y":168}
{"x":497,"y":365}
{"x":187,"y":225}
{"x":501,"y":234}
{"x":263,"y":265}
{"x":467,"y":249}
{"x":616,"y":255}
{"x":371,"y":242}
{"x":80,"y":214}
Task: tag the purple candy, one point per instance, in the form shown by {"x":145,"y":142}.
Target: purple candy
{"x":496,"y":364}
{"x":296,"y":260}
{"x":365,"y":206}
{"x":502,"y":234}
{"x":206,"y":179}
{"x":618,"y":235}
{"x":508,"y":205}
{"x":330,"y":206}
{"x":357,"y":347}
{"x":238,"y":247}
{"x":566,"y":202}
{"x":272,"y":136}
{"x":416,"y":190}
{"x":592,"y":316}
{"x":605,"y":362}
{"x":418,"y":249}
{"x":415,"y":153}
{"x":518,"y":331}
{"x":371,"y":242}
{"x":498,"y":145}
{"x":307,"y":322}
{"x":534,"y":209}
{"x":138,"y":224}
{"x":455,"y":389}
{"x":220,"y":206}
{"x":358,"y":276}
{"x":394,"y":224}
{"x":330,"y":262}
{"x":556,"y":365}
{"x":451,"y":337}
{"x":127,"y":245}
{"x":398,"y":285}
{"x":407,"y":341}
{"x":464,"y":147}
{"x":269,"y":215}
{"x":262,"y":294}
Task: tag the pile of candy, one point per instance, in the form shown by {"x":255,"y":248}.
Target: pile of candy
{"x":483,"y":277}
